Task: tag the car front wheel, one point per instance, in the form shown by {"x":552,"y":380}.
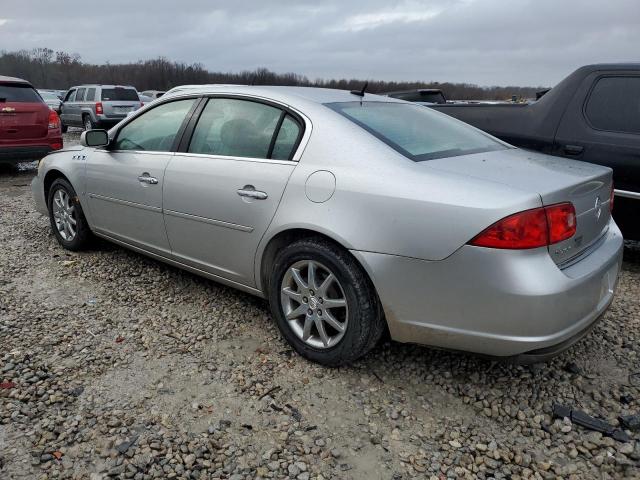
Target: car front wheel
{"x":68,"y":222}
{"x":323,"y":302}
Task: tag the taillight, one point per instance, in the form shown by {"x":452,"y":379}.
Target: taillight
{"x":99,"y":110}
{"x":56,"y":146}
{"x":54,"y":120}
{"x":534,"y":228}
{"x":612,"y":195}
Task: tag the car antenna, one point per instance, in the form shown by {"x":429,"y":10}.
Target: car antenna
{"x":360,"y":93}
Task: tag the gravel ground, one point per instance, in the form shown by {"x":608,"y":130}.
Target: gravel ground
{"x":116,"y":366}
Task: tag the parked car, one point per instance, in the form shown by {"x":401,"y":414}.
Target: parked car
{"x":153,"y":93}
{"x":98,"y":106}
{"x":29,"y":129}
{"x":351,"y":214}
{"x":52,"y":100}
{"x":420,"y":95}
{"x":144,"y":99}
{"x":593,"y":115}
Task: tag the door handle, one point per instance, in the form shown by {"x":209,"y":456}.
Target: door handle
{"x":146,"y":178}
{"x":573,"y":149}
{"x":250,"y":191}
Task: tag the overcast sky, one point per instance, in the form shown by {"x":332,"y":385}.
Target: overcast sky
{"x":487,"y":42}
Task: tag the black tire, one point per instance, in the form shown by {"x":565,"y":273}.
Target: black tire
{"x":366,"y":322}
{"x":87,"y":123}
{"x":64,"y":127}
{"x":83,"y":233}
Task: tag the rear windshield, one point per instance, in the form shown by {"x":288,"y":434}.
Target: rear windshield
{"x":433,"y":97}
{"x":120,"y":94}
{"x":417,"y":132}
{"x":19,"y":93}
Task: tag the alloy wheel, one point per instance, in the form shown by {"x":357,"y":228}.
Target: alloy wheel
{"x":314,"y":304}
{"x":64,"y":215}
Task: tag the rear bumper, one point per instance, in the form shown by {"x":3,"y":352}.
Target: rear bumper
{"x":24,"y":153}
{"x":110,"y":121}
{"x":496,"y":302}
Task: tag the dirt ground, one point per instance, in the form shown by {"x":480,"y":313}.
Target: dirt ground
{"x":113,"y":365}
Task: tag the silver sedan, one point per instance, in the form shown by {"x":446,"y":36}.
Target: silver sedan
{"x":352,"y":215}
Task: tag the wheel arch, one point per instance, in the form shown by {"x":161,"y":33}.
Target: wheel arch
{"x":286,"y":236}
{"x":49,"y":178}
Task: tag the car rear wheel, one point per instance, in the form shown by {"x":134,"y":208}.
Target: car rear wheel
{"x":68,"y":222}
{"x":87,"y":122}
{"x":323,"y":302}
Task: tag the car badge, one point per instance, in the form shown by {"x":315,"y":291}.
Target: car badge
{"x":8,"y":109}
{"x":598,"y":208}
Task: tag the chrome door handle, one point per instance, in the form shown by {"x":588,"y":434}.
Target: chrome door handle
{"x":146,"y":178}
{"x":250,"y":192}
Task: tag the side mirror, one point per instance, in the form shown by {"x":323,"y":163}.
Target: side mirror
{"x":94,"y":138}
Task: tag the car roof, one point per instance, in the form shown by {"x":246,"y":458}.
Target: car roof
{"x":289,"y":95}
{"x":101,"y":85}
{"x":4,"y":79}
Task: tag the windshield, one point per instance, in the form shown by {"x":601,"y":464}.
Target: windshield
{"x":120,"y":94}
{"x":417,"y":132}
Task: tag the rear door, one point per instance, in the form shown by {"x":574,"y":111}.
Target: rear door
{"x":602,"y":125}
{"x":23,"y":114}
{"x":221,"y":193}
{"x":125,"y":182}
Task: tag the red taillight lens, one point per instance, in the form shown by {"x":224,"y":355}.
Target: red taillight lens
{"x":534,"y":228}
{"x":99,"y":108}
{"x":56,"y":146}
{"x":54,"y":120}
{"x":562,"y":222}
{"x":612,"y":196}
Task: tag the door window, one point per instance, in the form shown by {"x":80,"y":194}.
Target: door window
{"x":236,"y":128}
{"x":286,"y":140}
{"x":80,"y":95}
{"x":156,"y":129}
{"x":614,"y":104}
{"x":91,"y":95}
{"x":70,"y":96}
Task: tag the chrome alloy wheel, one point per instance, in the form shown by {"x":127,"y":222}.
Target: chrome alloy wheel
{"x":314,"y":304}
{"x":64,"y":215}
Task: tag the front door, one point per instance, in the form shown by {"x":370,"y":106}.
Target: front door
{"x":125,"y":182}
{"x":221,"y":194}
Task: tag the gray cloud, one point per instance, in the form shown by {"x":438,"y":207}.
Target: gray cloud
{"x":488,"y":42}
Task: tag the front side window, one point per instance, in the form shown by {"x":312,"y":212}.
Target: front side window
{"x":70,"y":96}
{"x":614,"y":105}
{"x":156,"y":129}
{"x":415,"y":131}
{"x":236,"y":128}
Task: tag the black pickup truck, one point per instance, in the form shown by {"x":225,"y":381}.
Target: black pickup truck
{"x":592,"y":115}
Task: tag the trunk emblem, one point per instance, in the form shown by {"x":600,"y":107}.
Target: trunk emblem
{"x":8,"y":109}
{"x":598,"y":208}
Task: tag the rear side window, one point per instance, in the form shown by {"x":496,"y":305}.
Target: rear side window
{"x":235,"y":128}
{"x":614,"y":105}
{"x":119,"y":94}
{"x":91,"y":95}
{"x":287,"y":139}
{"x":80,"y":95}
{"x":156,"y":129}
{"x":416,"y":131}
{"x":18,"y":93}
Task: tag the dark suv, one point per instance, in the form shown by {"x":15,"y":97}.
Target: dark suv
{"x":98,"y":106}
{"x":29,"y":129}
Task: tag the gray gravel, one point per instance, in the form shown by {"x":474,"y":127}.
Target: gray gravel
{"x":116,"y":366}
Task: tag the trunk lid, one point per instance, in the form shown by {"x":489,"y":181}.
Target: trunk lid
{"x":556,"y":180}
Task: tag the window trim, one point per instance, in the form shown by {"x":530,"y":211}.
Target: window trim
{"x":588,"y":98}
{"x":296,"y":151}
{"x":179,"y":134}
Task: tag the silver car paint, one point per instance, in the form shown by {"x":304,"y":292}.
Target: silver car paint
{"x":407,"y":223}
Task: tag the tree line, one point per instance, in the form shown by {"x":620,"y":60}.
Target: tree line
{"x":46,"y":68}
